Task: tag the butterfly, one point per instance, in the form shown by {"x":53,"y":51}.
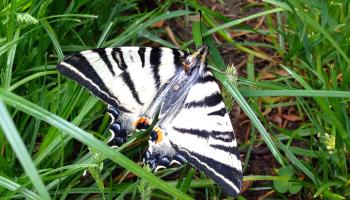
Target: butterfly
{"x":140,"y":84}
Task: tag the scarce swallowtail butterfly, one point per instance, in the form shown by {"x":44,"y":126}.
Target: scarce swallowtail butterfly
{"x":141,"y":83}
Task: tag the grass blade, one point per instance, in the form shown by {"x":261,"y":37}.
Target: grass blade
{"x":53,"y":38}
{"x":250,"y":113}
{"x":20,"y":150}
{"x":13,"y":186}
{"x":89,"y":140}
{"x":293,"y":93}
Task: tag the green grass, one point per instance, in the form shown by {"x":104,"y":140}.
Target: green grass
{"x":44,"y":115}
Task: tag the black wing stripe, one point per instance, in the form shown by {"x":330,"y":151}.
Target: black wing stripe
{"x":216,"y":170}
{"x":208,"y":78}
{"x":102,"y":53}
{"x":82,"y":65}
{"x":155,"y":58}
{"x":225,"y":136}
{"x":125,"y":74}
{"x":231,"y":150}
{"x":197,"y":132}
{"x":141,"y":53}
{"x":91,"y":81}
{"x":222,"y":112}
{"x":209,"y":101}
{"x":177,"y":58}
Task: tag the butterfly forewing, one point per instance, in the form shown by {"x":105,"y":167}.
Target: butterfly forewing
{"x":202,"y":133}
{"x":127,"y":78}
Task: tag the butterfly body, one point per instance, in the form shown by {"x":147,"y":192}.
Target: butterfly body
{"x":140,"y":83}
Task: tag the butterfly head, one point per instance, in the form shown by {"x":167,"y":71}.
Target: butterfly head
{"x":196,"y":59}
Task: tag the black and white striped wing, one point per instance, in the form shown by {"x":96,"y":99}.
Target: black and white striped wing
{"x":126,"y":78}
{"x":202,"y":133}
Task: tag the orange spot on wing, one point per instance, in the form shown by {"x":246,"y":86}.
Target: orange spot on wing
{"x":160,"y":135}
{"x":141,"y":120}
